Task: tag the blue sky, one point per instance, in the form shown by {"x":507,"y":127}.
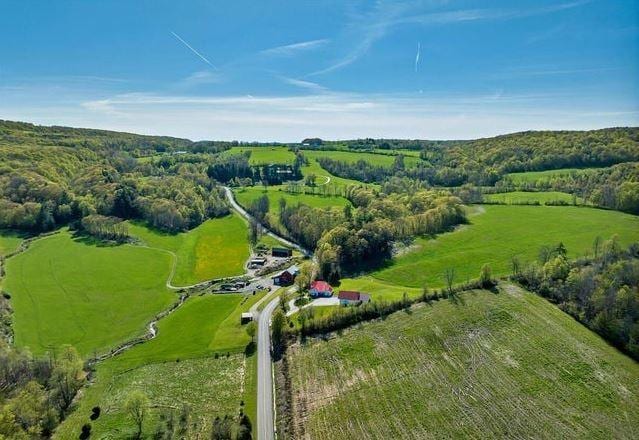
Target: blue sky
{"x":284,"y":70}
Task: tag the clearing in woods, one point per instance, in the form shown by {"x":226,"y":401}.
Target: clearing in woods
{"x":506,"y":364}
{"x":217,"y":248}
{"x":385,"y":160}
{"x":534,"y":176}
{"x":500,"y":233}
{"x":521,"y":197}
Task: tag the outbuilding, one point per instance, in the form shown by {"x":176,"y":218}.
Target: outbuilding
{"x":281,"y":252}
{"x":353,"y":297}
{"x":246,"y":318}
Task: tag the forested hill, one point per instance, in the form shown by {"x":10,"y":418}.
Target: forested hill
{"x":485,"y":161}
{"x":25,"y":134}
{"x":51,"y":176}
{"x":544,"y":150}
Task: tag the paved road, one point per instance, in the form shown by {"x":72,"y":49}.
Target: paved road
{"x":265,"y":411}
{"x":265,"y":424}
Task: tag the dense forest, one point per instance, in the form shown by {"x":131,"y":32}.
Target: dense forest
{"x":51,"y":176}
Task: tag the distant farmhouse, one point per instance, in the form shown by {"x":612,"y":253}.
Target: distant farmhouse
{"x":352,"y":297}
{"x":286,"y":278}
{"x":281,"y":252}
{"x":320,"y":289}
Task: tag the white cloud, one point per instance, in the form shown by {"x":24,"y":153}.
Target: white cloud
{"x":336,"y":115}
{"x":292,"y":49}
{"x":201,"y":77}
{"x":307,"y":85}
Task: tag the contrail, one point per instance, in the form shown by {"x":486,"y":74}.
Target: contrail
{"x":419,"y":49}
{"x":202,"y":57}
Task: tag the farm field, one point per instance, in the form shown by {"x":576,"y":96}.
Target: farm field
{"x":178,"y":367}
{"x":9,"y":241}
{"x":533,"y":176}
{"x":490,"y":365}
{"x":215,"y":249}
{"x":531,"y":197}
{"x":265,"y":155}
{"x":501,"y":232}
{"x":66,"y":291}
{"x":352,"y":157}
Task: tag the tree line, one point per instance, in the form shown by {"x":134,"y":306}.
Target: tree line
{"x":601,"y":291}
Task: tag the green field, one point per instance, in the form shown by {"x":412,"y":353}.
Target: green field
{"x":500,"y":233}
{"x":385,"y":160}
{"x":215,"y":249}
{"x":65,"y":291}
{"x":9,"y":241}
{"x":178,"y":367}
{"x":522,"y":197}
{"x":533,"y":176}
{"x":506,"y":365}
{"x":378,"y":289}
{"x":265,"y":155}
{"x":245,"y":196}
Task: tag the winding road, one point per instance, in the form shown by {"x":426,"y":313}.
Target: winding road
{"x":245,"y":214}
{"x":265,"y":407}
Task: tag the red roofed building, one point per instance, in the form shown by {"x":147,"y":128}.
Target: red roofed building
{"x":352,"y":297}
{"x":320,"y":289}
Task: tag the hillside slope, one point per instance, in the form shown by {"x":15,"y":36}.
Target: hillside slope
{"x":487,"y":366}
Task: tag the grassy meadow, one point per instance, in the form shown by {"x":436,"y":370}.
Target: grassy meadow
{"x":215,"y":249}
{"x":265,"y":155}
{"x":498,"y":234}
{"x":491,"y":365}
{"x":385,"y":160}
{"x":66,"y":291}
{"x":179,"y":367}
{"x":9,"y":241}
{"x":533,"y":176}
{"x":542,"y":197}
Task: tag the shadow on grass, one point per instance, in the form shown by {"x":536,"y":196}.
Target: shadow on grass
{"x":89,"y":240}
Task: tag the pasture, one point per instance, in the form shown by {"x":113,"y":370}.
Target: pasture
{"x":9,"y":241}
{"x":65,"y":290}
{"x":385,"y":160}
{"x":265,"y":155}
{"x":533,"y":176}
{"x":500,"y":233}
{"x":541,"y":197}
{"x":487,"y":366}
{"x":215,"y":249}
{"x":179,"y":367}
